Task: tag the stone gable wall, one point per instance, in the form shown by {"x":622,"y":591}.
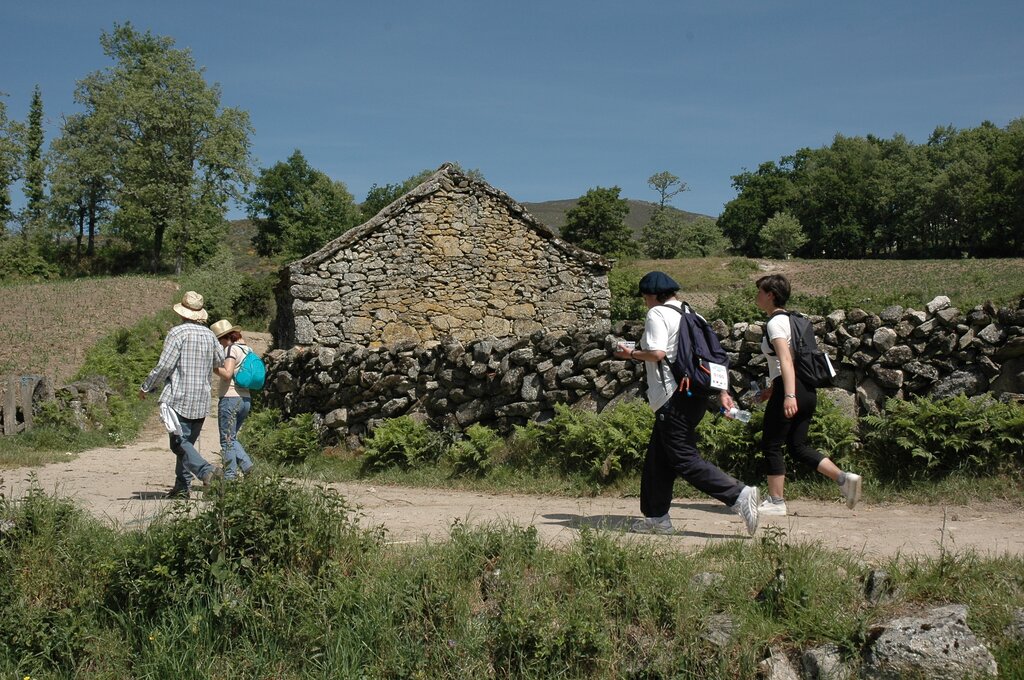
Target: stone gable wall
{"x":459,"y":262}
{"x":504,"y":382}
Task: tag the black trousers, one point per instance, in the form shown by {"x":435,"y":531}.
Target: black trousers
{"x":780,"y":430}
{"x":672,"y":452}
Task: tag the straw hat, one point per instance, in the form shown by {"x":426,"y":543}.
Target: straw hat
{"x":191,"y":307}
{"x":223,"y":327}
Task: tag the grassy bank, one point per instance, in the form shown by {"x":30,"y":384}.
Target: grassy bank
{"x":268,"y":580}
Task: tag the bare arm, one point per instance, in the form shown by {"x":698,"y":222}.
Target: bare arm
{"x":789,"y":406}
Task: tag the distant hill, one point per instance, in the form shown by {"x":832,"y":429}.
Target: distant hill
{"x":552,"y":213}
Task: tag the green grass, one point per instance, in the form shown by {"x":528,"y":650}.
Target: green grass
{"x":871,"y":285}
{"x":271,"y":580}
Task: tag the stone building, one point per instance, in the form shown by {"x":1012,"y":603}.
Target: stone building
{"x":453,"y":257}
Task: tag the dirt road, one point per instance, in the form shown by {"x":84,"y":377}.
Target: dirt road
{"x":125,"y":486}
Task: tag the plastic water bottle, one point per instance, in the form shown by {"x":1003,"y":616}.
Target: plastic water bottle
{"x":736,"y":413}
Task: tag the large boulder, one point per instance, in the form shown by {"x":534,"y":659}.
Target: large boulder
{"x":937,"y":645}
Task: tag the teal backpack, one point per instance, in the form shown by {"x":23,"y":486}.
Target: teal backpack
{"x":251,"y":373}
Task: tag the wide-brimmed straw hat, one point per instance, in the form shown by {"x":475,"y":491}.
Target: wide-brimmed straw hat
{"x":191,"y":307}
{"x":223,"y":327}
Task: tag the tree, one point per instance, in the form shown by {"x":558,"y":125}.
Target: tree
{"x":10,"y":162}
{"x":297,"y":209}
{"x":35,"y":167}
{"x":80,"y":174}
{"x":379,"y":197}
{"x":667,"y":185}
{"x":702,"y":237}
{"x":178,"y":156}
{"x":781,"y":236}
{"x":598,"y":223}
{"x":661,"y":236}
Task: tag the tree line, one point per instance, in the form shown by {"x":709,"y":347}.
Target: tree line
{"x":960,"y":194}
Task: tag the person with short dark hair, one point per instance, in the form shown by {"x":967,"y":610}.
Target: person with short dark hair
{"x":791,"y":405}
{"x":189,"y":356}
{"x":672,"y":448}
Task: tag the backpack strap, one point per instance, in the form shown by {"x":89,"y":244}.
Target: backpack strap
{"x":792,"y":329}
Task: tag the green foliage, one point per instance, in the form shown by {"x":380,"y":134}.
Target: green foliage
{"x":254,"y":302}
{"x":22,"y":260}
{"x":218,"y":280}
{"x":736,"y":305}
{"x":297,"y":209}
{"x":602,"y":446}
{"x":956,"y":195}
{"x":35,"y":164}
{"x":928,"y":438}
{"x":126,"y":356}
{"x":626,"y":304}
{"x":251,"y":535}
{"x":10,"y":161}
{"x":475,"y":454}
{"x":597,"y":223}
{"x":268,"y":437}
{"x":402,"y":442}
{"x":266,"y":578}
{"x":176,"y":157}
{"x":781,"y":236}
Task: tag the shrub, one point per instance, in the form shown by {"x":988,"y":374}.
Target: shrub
{"x":254,"y":302}
{"x":474,"y":455}
{"x":736,"y":305}
{"x":268,"y":436}
{"x":402,"y":442}
{"x":928,"y":438}
{"x":218,"y":280}
{"x":626,"y":304}
{"x":602,"y":446}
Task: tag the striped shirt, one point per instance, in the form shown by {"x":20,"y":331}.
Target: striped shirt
{"x":190,"y":354}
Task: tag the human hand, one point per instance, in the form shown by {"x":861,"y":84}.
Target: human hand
{"x":789,"y":407}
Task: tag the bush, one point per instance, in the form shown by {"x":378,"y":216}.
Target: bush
{"x":737,"y":305}
{"x":218,"y":281}
{"x":254,"y":302}
{"x":266,"y":435}
{"x":930,"y":438}
{"x":474,"y":455}
{"x":626,"y":304}
{"x":402,"y":442}
{"x":602,"y":446}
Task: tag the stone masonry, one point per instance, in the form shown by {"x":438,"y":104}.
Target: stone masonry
{"x":454,"y":257}
{"x":901,"y":353}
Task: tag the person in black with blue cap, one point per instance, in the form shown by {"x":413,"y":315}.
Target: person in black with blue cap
{"x":672,"y":449}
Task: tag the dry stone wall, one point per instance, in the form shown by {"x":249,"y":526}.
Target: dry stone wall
{"x":501,"y":382}
{"x":453,"y":258}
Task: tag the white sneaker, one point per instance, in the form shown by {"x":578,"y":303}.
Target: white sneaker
{"x":747,"y":507}
{"x":851,"y":489}
{"x":653,"y":525}
{"x":769,"y":508}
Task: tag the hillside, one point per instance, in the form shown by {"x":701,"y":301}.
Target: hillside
{"x":552,"y":213}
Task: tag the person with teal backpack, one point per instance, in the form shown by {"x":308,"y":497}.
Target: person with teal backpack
{"x":242,"y":372}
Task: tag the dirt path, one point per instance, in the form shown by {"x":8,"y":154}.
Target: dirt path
{"x":125,"y":486}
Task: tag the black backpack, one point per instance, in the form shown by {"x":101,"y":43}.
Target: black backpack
{"x":813,"y":366}
{"x":697,"y":349}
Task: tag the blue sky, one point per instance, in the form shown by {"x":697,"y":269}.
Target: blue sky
{"x":551,"y":98}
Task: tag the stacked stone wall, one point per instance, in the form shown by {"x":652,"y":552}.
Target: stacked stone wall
{"x":503,"y":382}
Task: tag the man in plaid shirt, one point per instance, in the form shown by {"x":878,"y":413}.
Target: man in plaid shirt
{"x":190,"y":354}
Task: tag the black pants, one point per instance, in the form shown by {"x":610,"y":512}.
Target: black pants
{"x":780,"y":430}
{"x":672,"y":452}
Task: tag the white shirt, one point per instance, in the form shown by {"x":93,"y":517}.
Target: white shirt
{"x":778,"y":327}
{"x":661,"y":333}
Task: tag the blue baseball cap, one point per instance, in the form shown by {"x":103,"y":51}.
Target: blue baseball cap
{"x":654,"y":283}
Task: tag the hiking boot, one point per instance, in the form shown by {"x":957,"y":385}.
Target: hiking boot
{"x":215,"y":473}
{"x":177,"y":492}
{"x":770,"y":508}
{"x":653,"y":525}
{"x":747,"y":507}
{"x":850,"y":489}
